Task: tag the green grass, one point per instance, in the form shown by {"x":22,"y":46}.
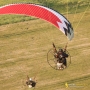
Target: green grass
{"x":6,"y":19}
{"x":23,"y":51}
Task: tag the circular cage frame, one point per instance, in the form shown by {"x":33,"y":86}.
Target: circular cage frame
{"x":53,"y":59}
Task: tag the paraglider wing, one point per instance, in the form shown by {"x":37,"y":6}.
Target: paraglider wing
{"x":41,"y":12}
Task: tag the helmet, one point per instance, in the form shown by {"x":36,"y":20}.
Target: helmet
{"x":60,"y":50}
{"x":30,"y":79}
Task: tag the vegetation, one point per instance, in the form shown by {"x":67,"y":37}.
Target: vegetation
{"x":24,"y":44}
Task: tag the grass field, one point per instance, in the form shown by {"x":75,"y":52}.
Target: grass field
{"x":23,"y":51}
